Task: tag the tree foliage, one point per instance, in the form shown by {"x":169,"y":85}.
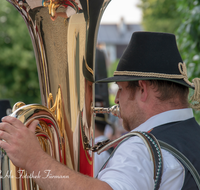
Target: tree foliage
{"x":188,"y":35}
{"x":18,"y":72}
{"x":160,"y":15}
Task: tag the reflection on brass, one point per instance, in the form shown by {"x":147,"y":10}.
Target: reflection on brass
{"x":17,"y":106}
{"x":48,"y":135}
{"x":65,"y":54}
{"x":89,"y":69}
{"x":100,"y":145}
{"x":54,"y":4}
{"x":57,"y":110}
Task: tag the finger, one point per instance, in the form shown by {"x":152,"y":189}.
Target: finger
{"x":53,"y":18}
{"x":33,"y":125}
{"x":5,"y":136}
{"x":4,"y":144}
{"x":4,"y":126}
{"x":13,"y":121}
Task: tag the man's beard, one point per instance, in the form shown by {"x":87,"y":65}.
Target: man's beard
{"x":134,"y":119}
{"x":126,"y":125}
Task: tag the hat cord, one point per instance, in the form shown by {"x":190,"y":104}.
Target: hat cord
{"x":195,"y":99}
{"x":148,"y":74}
{"x":183,"y":70}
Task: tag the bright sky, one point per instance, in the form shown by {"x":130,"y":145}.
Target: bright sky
{"x":122,"y":8}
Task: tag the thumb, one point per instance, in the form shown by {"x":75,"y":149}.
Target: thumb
{"x":33,"y":125}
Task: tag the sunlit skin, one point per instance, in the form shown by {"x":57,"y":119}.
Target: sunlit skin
{"x":59,"y":14}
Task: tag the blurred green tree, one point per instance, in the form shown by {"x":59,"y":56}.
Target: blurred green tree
{"x":18,"y":71}
{"x":188,"y":35}
{"x":160,"y":15}
{"x":111,"y":70}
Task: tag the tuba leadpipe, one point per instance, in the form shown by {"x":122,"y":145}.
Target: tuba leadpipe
{"x":63,"y":34}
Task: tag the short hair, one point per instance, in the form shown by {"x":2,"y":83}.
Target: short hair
{"x":166,"y":89}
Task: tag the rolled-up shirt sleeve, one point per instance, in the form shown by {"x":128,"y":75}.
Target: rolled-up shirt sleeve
{"x":130,"y":167}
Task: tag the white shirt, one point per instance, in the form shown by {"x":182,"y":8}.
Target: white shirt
{"x":131,"y":167}
{"x":100,"y":159}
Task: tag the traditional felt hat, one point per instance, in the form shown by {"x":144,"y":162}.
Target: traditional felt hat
{"x":151,"y":56}
{"x":154,"y":56}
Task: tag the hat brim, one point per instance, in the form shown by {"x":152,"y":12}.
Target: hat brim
{"x":125,"y":78}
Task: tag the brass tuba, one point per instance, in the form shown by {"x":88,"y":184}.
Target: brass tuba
{"x":63,"y":34}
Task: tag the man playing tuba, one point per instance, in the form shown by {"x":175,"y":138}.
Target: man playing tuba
{"x":153,"y":97}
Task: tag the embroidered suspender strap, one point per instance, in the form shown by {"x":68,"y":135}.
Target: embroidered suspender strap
{"x":152,"y":146}
{"x":157,"y":157}
{"x":183,"y":159}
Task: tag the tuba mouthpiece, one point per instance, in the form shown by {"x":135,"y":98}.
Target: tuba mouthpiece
{"x":114,"y":110}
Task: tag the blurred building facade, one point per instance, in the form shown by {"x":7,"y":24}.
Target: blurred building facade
{"x":113,"y":38}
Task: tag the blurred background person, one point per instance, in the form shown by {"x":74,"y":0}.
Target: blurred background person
{"x":5,"y":108}
{"x":118,"y":129}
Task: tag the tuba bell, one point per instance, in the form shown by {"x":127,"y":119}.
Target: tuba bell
{"x":63,"y":34}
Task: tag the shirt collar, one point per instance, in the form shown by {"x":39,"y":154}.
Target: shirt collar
{"x":165,"y":117}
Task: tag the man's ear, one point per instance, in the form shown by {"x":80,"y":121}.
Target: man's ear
{"x":143,"y":90}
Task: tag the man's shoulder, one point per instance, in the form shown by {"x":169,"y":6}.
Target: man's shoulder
{"x":131,"y":144}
